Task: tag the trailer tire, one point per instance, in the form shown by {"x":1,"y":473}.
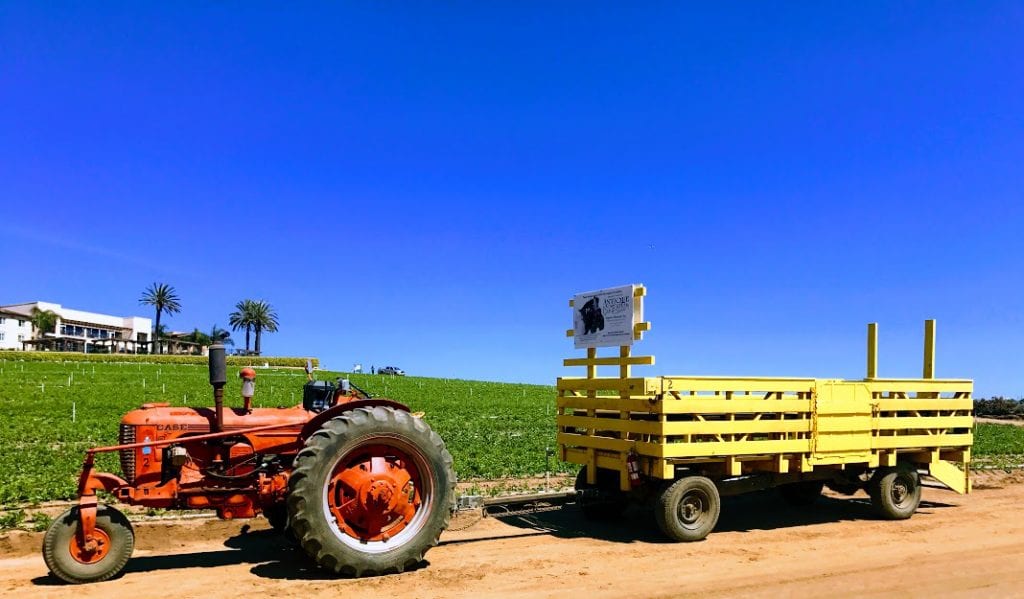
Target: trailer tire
{"x":895,"y":492}
{"x":60,"y":542}
{"x":803,"y":493}
{"x":612,"y":501}
{"x":687,"y":510}
{"x":371,"y":492}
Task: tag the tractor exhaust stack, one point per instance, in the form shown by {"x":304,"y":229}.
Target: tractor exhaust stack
{"x":218,"y":378}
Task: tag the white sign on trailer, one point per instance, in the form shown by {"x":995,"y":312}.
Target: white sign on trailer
{"x":604,"y":318}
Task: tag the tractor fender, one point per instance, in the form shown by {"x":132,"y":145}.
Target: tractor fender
{"x":102,"y":481}
{"x":333,"y":412}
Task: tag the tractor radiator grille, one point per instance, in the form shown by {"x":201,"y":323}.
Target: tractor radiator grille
{"x":127,"y":455}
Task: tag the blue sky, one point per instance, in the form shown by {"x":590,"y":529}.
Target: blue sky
{"x":426,"y":185}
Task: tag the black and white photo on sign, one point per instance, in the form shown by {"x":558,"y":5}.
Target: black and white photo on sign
{"x":603,"y":318}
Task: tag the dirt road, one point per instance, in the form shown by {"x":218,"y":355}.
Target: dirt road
{"x":1013,"y":422}
{"x":954,"y":546}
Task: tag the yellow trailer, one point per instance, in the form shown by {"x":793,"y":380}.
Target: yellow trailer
{"x":687,"y":440}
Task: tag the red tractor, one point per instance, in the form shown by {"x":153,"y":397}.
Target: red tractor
{"x":363,"y":485}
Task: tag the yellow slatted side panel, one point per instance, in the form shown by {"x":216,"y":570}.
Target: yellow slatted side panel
{"x":685,"y":419}
{"x":931,"y":421}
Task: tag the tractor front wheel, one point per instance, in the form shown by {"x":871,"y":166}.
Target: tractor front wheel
{"x":371,"y":492}
{"x":69,"y":561}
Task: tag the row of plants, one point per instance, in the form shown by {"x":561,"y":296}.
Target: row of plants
{"x":998,"y":439}
{"x":50,"y":356}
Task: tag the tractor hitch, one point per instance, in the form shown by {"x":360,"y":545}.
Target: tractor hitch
{"x":516,"y":505}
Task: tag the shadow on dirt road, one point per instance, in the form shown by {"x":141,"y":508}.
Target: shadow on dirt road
{"x":753,"y":511}
{"x":274,"y":557}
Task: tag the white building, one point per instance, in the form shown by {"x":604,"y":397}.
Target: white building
{"x":14,"y":328}
{"x":76,"y":330}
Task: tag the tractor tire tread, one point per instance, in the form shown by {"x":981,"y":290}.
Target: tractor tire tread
{"x":308,"y":523}
{"x":58,"y":558}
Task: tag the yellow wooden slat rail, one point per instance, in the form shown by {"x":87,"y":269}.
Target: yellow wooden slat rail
{"x":922,"y":441}
{"x":645,"y":386}
{"x":734,"y":406}
{"x":921,"y":405}
{"x":918,"y":385}
{"x":633,"y":360}
{"x":607,"y":403}
{"x":919,"y":422}
{"x":712,"y":427}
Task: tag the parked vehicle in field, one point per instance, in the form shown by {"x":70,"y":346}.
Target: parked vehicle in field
{"x":392,"y":370}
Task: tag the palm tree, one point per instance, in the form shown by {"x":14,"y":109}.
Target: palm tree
{"x":44,"y":321}
{"x":264,"y":318}
{"x":159,"y":332}
{"x":241,"y":319}
{"x":197,"y":336}
{"x":222,"y":335}
{"x":164,"y":298}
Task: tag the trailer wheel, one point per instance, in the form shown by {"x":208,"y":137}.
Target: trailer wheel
{"x":802,"y":493}
{"x":70,"y":562}
{"x":687,"y":510}
{"x":371,"y":492}
{"x":895,"y":492}
{"x":603,"y":501}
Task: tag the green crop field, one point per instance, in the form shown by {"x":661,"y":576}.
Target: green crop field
{"x":999,"y":439}
{"x":50,"y":412}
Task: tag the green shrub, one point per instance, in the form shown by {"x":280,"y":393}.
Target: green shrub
{"x":998,"y":406}
{"x":12,"y":519}
{"x":40,"y":521}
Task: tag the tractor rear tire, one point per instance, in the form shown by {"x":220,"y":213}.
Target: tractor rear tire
{"x":70,"y":564}
{"x":803,"y":493}
{"x":895,"y":492}
{"x":611,"y":502}
{"x":371,"y":492}
{"x":688,"y":509}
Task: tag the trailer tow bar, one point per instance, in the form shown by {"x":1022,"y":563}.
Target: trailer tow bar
{"x":515,"y":505}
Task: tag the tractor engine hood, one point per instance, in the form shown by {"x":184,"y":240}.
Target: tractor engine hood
{"x":170,"y":421}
